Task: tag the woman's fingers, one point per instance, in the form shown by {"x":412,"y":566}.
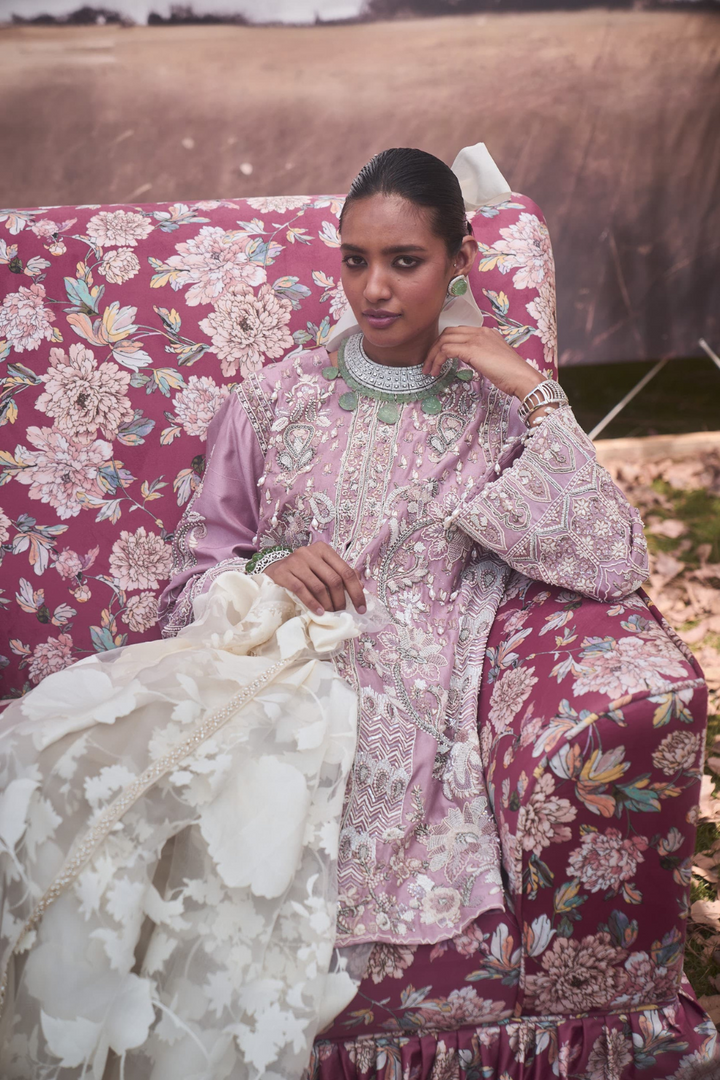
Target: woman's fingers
{"x":297,"y":585}
{"x":294,"y":574}
{"x":445,"y":346}
{"x":349,"y":577}
{"x":319,"y":577}
{"x":320,"y":566}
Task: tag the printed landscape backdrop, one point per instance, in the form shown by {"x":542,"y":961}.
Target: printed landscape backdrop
{"x":606,"y":117}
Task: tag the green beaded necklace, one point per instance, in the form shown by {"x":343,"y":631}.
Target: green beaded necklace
{"x":389,"y":413}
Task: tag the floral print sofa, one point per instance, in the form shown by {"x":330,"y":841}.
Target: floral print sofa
{"x":122,"y":329}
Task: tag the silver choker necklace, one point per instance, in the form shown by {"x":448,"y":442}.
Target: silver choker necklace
{"x":386,"y":377}
{"x":392,"y":386}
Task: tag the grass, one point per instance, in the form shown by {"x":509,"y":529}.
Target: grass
{"x":700,"y":511}
{"x":682,"y":397}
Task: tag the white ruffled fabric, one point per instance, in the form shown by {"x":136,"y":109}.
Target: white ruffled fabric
{"x":183,"y":797}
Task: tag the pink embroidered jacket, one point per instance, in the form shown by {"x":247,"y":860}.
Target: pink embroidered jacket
{"x":434,"y":511}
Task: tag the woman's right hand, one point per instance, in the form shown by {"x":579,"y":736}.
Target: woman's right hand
{"x":318,"y":576}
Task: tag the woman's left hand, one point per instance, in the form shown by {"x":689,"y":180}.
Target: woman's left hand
{"x":485,"y":350}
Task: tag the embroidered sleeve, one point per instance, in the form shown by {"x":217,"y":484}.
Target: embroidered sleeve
{"x":556,"y":514}
{"x":253,"y":398}
{"x":217,"y":531}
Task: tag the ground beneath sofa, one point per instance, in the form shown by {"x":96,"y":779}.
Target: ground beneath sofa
{"x":679,"y":500}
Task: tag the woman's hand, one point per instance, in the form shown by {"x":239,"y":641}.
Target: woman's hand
{"x":318,"y":576}
{"x":485,"y":350}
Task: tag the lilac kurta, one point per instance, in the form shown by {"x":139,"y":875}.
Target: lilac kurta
{"x":433,"y":512}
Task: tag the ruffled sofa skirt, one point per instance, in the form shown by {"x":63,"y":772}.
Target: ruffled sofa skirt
{"x":675,"y":1042}
{"x":449,"y":1012}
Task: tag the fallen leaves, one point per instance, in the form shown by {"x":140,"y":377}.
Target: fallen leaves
{"x":678,"y":501}
{"x":709,"y":804}
{"x":670,"y":527}
{"x":711,"y":1005}
{"x":706,"y":913}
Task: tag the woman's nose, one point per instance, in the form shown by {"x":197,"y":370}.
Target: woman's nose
{"x":376,"y":287}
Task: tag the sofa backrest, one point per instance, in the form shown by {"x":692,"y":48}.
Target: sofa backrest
{"x":121,"y":329}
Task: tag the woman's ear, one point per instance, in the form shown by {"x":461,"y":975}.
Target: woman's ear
{"x":466,"y":255}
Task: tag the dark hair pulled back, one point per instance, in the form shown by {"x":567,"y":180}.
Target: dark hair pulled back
{"x":422,"y":179}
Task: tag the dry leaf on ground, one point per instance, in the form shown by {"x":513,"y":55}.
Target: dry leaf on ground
{"x":706,"y":913}
{"x":670,"y":527}
{"x":711,"y":1005}
{"x":709,"y":803}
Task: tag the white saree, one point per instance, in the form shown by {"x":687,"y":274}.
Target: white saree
{"x":169,"y":821}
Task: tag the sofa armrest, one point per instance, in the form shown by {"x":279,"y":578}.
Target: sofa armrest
{"x":592,"y":723}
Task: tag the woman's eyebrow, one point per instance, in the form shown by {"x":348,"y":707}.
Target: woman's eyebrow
{"x":396,"y":249}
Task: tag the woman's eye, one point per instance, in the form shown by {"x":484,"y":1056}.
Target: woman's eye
{"x":408,"y":263}
{"x":349,"y":260}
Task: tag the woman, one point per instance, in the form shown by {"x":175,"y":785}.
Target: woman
{"x":400,"y":465}
{"x":373,"y":498}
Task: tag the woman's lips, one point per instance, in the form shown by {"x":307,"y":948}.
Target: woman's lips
{"x":380,"y":321}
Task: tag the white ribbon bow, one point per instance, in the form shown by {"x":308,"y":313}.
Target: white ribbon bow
{"x":481,"y":182}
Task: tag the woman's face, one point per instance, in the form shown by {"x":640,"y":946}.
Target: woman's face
{"x":395,"y":272}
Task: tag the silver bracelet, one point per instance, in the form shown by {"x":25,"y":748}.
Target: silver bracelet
{"x":269,"y":557}
{"x":547,"y":392}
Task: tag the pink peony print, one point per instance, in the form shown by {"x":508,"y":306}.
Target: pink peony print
{"x":141,"y":612}
{"x":213,"y":262}
{"x":119,"y":228}
{"x":605,"y":860}
{"x":45,"y":227}
{"x":362,"y":1054}
{"x":389,"y":961}
{"x":24,"y":320}
{"x":647,"y":982}
{"x":5,"y":524}
{"x":61,"y":468}
{"x":459,"y":1008}
{"x":542,"y":821}
{"x":469,"y":941}
{"x":527,"y":245}
{"x":509,"y":694}
{"x":577,"y":976}
{"x":278,"y":204}
{"x":542,"y":309}
{"x":196,"y":405}
{"x":516,"y":620}
{"x":611,"y":1052}
{"x":446,"y":1063}
{"x":68,"y":563}
{"x":338,"y":301}
{"x":119,"y":266}
{"x":245,"y":328}
{"x":140,"y":560}
{"x":630,"y":665}
{"x":52,"y":655}
{"x":678,"y":751}
{"x":82,"y":397}
{"x":696,"y":1066}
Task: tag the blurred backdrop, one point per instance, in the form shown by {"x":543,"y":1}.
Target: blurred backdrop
{"x":606,"y":117}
